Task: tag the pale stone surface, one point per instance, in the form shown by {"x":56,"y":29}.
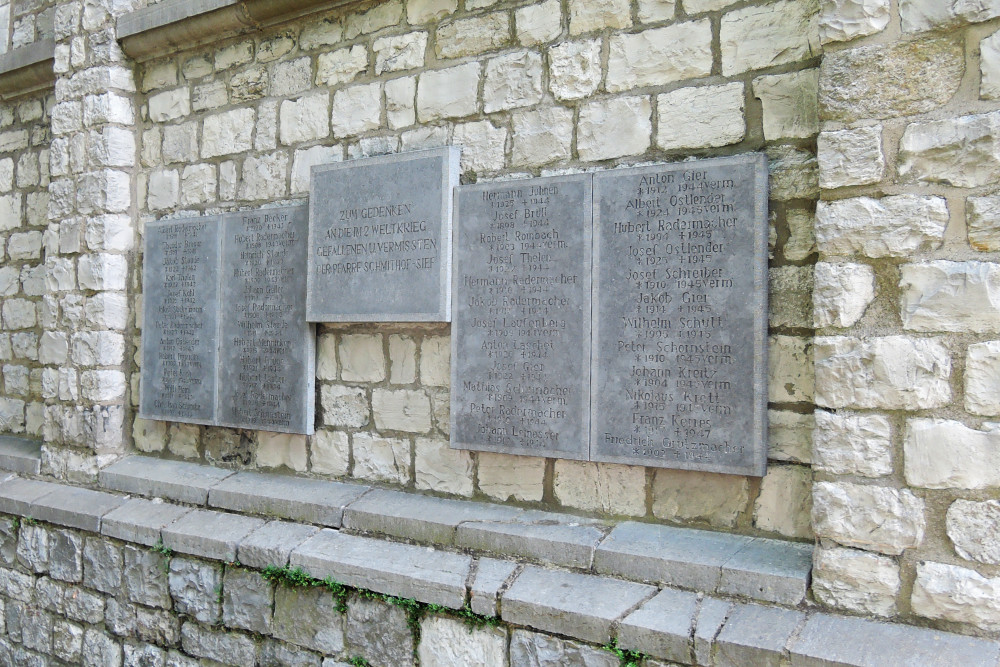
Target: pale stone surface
{"x":445,"y":642}
{"x":946,"y":454}
{"x":381,"y":459}
{"x":953,"y":593}
{"x":850,"y":157}
{"x":291,"y":77}
{"x":874,"y":518}
{"x":227,"y":133}
{"x":793,"y":173}
{"x":164,"y":189}
{"x":705,"y":116}
{"x":895,"y":226}
{"x":466,"y":37}
{"x":513,"y":80}
{"x":505,"y":477}
{"x":330,"y":452}
{"x":963,"y":151}
{"x":442,"y":469}
{"x":198,"y":183}
{"x":282,"y":449}
{"x":785,"y":501}
{"x":982,"y":217}
{"x":169,"y":105}
{"x":989,"y":67}
{"x":264,"y":176}
{"x":538,"y":23}
{"x":356,"y":109}
{"x":791,"y":109}
{"x":919,"y":15}
{"x":844,"y":20}
{"x":183,"y":440}
{"x":887,"y":81}
{"x":341,"y":66}
{"x":950,"y":296}
{"x":381,"y":16}
{"x":305,"y":119}
{"x":982,"y":378}
{"x":601,"y":487}
{"x":401,"y":410}
{"x":762,"y":36}
{"x":841,"y":293}
{"x":892,"y":372}
{"x":399,"y":101}
{"x":402,"y":359}
{"x":790,"y":436}
{"x":575,"y":69}
{"x":149,"y":435}
{"x":683,"y":495}
{"x":435,"y":361}
{"x":586,"y":15}
{"x":854,"y":580}
{"x":659,"y":56}
{"x":448,"y":93}
{"x":361,"y":358}
{"x":790,"y":369}
{"x":399,"y":52}
{"x":852,"y":444}
{"x":541,"y":136}
{"x":614,"y":128}
{"x":534,"y":649}
{"x":425,"y":11}
{"x":308,"y":158}
{"x":483,"y":145}
{"x":974,"y":529}
{"x":344,"y":406}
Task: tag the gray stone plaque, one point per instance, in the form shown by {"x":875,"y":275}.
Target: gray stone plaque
{"x":180,"y":320}
{"x":680,"y":316}
{"x":380,"y":238}
{"x":521,"y":328}
{"x":267,"y":349}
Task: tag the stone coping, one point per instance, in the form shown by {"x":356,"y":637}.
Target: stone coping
{"x":177,"y":25}
{"x":27,"y":69}
{"x":663,"y":622}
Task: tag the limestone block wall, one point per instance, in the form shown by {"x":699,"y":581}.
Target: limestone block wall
{"x":527,"y":88}
{"x":907,"y":372}
{"x":30,"y":21}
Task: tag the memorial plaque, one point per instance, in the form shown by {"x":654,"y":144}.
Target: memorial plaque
{"x":680,"y":316}
{"x":180,"y":320}
{"x":380,"y":238}
{"x":521,"y":329}
{"x":267,"y":349}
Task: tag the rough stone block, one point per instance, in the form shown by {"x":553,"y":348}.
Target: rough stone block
{"x":512,"y":81}
{"x":763,"y":36}
{"x":875,"y":518}
{"x":958,"y":594}
{"x":378,"y":632}
{"x":850,"y":157}
{"x":983,"y":220}
{"x":659,"y":56}
{"x":791,"y":109}
{"x":974,"y":529}
{"x":273,"y":543}
{"x":756,"y":635}
{"x":598,"y":138}
{"x":687,"y":495}
{"x":567,"y":603}
{"x":857,"y":581}
{"x":852,"y":444}
{"x":102,"y":565}
{"x":298,"y":499}
{"x":544,"y":536}
{"x":575,"y":69}
{"x":950,"y":296}
{"x":140,"y":520}
{"x":162,"y":478}
{"x":662,"y":627}
{"x":209,"y":534}
{"x":226,"y":647}
{"x":895,"y":226}
{"x":247,"y":600}
{"x":308,"y":617}
{"x":195,"y":587}
{"x":946,"y":454}
{"x":844,"y":20}
{"x":144,"y":577}
{"x":957,"y":151}
{"x":701,"y":117}
{"x":535,"y":648}
{"x":842,"y":293}
{"x":445,"y":642}
{"x":396,"y":569}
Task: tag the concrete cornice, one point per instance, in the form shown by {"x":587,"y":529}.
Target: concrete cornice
{"x":26,"y":69}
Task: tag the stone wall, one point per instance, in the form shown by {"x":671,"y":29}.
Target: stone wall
{"x":904,"y":502}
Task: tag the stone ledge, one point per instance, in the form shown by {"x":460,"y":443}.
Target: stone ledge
{"x":20,"y":455}
{"x":177,"y":25}
{"x":27,"y":69}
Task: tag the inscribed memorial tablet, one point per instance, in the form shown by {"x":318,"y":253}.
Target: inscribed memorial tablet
{"x":380,"y":238}
{"x":680,"y":316}
{"x":267,"y":350}
{"x":521,"y":328}
{"x":180,"y":320}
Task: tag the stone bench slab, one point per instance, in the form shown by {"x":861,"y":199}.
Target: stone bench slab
{"x":491,"y":575}
{"x":162,"y":478}
{"x":141,"y":521}
{"x":273,"y":543}
{"x":17,"y":495}
{"x":769,"y":570}
{"x":568,"y":603}
{"x":295,"y":498}
{"x":209,"y":534}
{"x":662,"y":627}
{"x":553,"y":538}
{"x":20,"y":455}
{"x":75,"y":508}
{"x":403,"y":570}
{"x":755,"y":635}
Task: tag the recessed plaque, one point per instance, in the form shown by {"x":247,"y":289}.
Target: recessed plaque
{"x":180,"y":320}
{"x":380,"y":238}
{"x":680,"y":316}
{"x":267,"y":350}
{"x":521,"y":317}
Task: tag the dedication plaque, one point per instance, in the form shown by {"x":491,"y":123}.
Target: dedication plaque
{"x":225,"y":341}
{"x":267,"y":350}
{"x":521,"y":329}
{"x":680,"y":316}
{"x":180,"y":320}
{"x":380,"y":238}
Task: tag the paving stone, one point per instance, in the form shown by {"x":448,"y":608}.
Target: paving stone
{"x":418,"y":517}
{"x":75,"y":508}
{"x":17,"y":495}
{"x":491,"y":574}
{"x":209,"y":534}
{"x":295,"y":498}
{"x":662,"y":627}
{"x":842,"y":640}
{"x":272,"y":543}
{"x":769,"y":570}
{"x":755,"y":635}
{"x":162,"y":478}
{"x":141,"y":521}
{"x":20,"y":455}
{"x":711,"y":615}
{"x":663,"y":554}
{"x":396,"y":569}
{"x":558,"y":539}
{"x":567,"y":603}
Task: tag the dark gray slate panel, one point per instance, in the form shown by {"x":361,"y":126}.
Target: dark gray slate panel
{"x":180,"y":320}
{"x":521,"y":317}
{"x":380,"y":238}
{"x":266,"y":349}
{"x":680,"y":316}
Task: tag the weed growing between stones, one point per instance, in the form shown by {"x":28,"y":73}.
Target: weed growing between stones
{"x":297,"y":577}
{"x":164,"y":551}
{"x":358,"y":661}
{"x":626,"y":657}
